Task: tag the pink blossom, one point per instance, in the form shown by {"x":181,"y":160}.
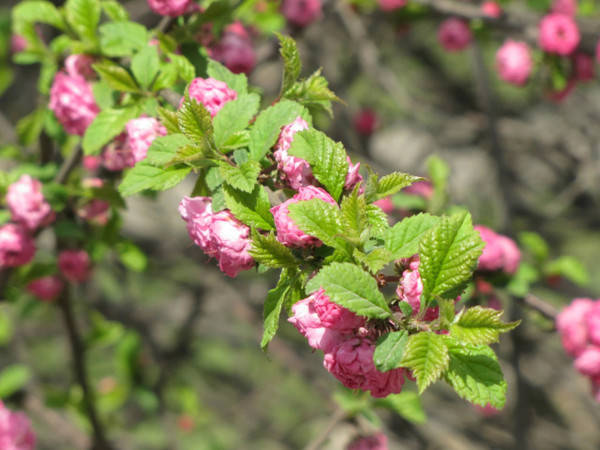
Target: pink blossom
{"x":232,"y":239}
{"x":514,"y":62}
{"x":16,"y":246}
{"x":197,"y":213}
{"x":567,"y":7}
{"x":95,"y":211}
{"x":288,"y":232}
{"x":491,"y":9}
{"x":410,"y":289}
{"x":92,"y":183}
{"x":307,"y":321}
{"x":295,"y":171}
{"x":391,"y":5}
{"x":171,"y":8}
{"x":213,"y":94}
{"x":17,"y":43}
{"x":377,"y":441}
{"x":118,"y":155}
{"x":91,"y":162}
{"x":75,"y":265}
{"x":454,"y":34}
{"x":234,"y":49}
{"x":301,"y":12}
{"x":558,"y":33}
{"x":583,"y":65}
{"x":588,"y":362}
{"x":593,"y":323}
{"x":141,"y":132}
{"x":334,"y":316}
{"x":420,"y":188}
{"x":386,"y":204}
{"x":80,"y":65}
{"x":353,"y":177}
{"x":73,"y":103}
{"x":365,"y":122}
{"x":27,"y":203}
{"x":46,"y":288}
{"x":15,"y":430}
{"x":487,"y":410}
{"x":571,"y":324}
{"x":499,"y":253}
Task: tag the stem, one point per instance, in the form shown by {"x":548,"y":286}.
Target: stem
{"x":78,"y":353}
{"x":68,"y":165}
{"x":544,"y":308}
{"x":337,"y":417}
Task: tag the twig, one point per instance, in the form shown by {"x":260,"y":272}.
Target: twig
{"x":78,"y":352}
{"x":337,"y":417}
{"x":68,"y":165}
{"x":544,"y":308}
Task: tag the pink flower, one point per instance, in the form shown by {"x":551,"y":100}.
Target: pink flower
{"x":353,"y":177}
{"x":386,"y":204}
{"x":558,"y":33}
{"x":140,"y":134}
{"x":499,"y":253}
{"x":80,"y":65}
{"x":514,"y":62}
{"x":334,"y":316}
{"x":91,"y":162}
{"x":15,"y":430}
{"x":583,"y":67}
{"x":365,"y":122}
{"x":288,"y":232}
{"x":197,"y":213}
{"x":17,"y":43}
{"x":232,"y":239}
{"x":571,"y":324}
{"x":377,"y":441}
{"x":75,"y":265}
{"x":593,"y":323}
{"x":307,"y":321}
{"x":301,"y":12}
{"x":391,"y":5}
{"x":588,"y":362}
{"x":46,"y":288}
{"x":213,"y":94}
{"x":410,"y":289}
{"x":73,"y":103}
{"x":27,"y":203}
{"x":420,"y":188}
{"x":491,"y":9}
{"x":95,"y":211}
{"x":454,"y":34}
{"x":171,"y":8}
{"x":487,"y":410}
{"x":567,"y":7}
{"x":118,"y":155}
{"x":16,"y":246}
{"x":295,"y":171}
{"x":235,"y":49}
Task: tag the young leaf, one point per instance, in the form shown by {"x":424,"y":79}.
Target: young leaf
{"x":390,"y":350}
{"x":122,"y":38}
{"x":184,"y":68}
{"x":354,"y":214}
{"x":234,"y":116}
{"x":402,"y":240}
{"x":164,"y":148}
{"x":267,"y":250}
{"x":427,"y":355}
{"x":13,"y":378}
{"x":83,"y":16}
{"x":272,"y":308}
{"x":407,"y":404}
{"x":375,"y":260}
{"x":250,"y":208}
{"x":480,"y":326}
{"x":291,"y":61}
{"x":115,"y":11}
{"x":241,"y":177}
{"x":438,"y":172}
{"x":195,"y":122}
{"x":327,"y":159}
{"x":351,"y":287}
{"x":116,"y":76}
{"x":38,"y":11}
{"x":570,"y":268}
{"x":392,"y":183}
{"x":107,"y":124}
{"x":378,"y":220}
{"x":313,"y":93}
{"x":169,"y":120}
{"x":144,"y":65}
{"x":449,"y":253}
{"x":145,"y":176}
{"x":476,"y":376}
{"x":267,"y":126}
{"x":218,"y":71}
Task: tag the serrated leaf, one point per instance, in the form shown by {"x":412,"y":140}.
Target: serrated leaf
{"x":234,"y":116}
{"x":327,"y":159}
{"x":192,"y":155}
{"x":394,"y":182}
{"x":272,"y":308}
{"x":351,"y":287}
{"x":402,"y":240}
{"x":476,"y":376}
{"x":30,"y":126}
{"x":144,"y":65}
{"x":427,"y":355}
{"x":438,"y":173}
{"x":184,"y":68}
{"x":291,"y":61}
{"x":378,"y":220}
{"x":122,"y":38}
{"x":390,"y":350}
{"x":107,"y":125}
{"x":241,"y":177}
{"x":116,"y":76}
{"x":218,"y":71}
{"x":164,"y":148}
{"x":480,"y":326}
{"x":169,"y":120}
{"x":376,"y":260}
{"x":354,"y":214}
{"x":145,"y":176}
{"x":250,"y":208}
{"x":267,"y":250}
{"x":83,"y":16}
{"x":407,"y":404}
{"x":321,"y":220}
{"x":195,"y":122}
{"x":267,"y":126}
{"x":38,"y":11}
{"x":449,"y":253}
{"x":313,"y":93}
{"x":447,"y":310}
{"x":115,"y":11}
{"x":236,"y":140}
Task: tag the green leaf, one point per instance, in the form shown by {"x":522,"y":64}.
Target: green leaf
{"x":250,"y":208}
{"x":122,"y":38}
{"x":195,"y":122}
{"x":184,"y":68}
{"x":241,"y":177}
{"x":115,"y":11}
{"x":83,"y":16}
{"x":166,"y":78}
{"x":438,"y":172}
{"x":449,"y":253}
{"x":164,"y":148}
{"x":218,"y":71}
{"x":267,"y":126}
{"x":321,"y":220}
{"x":520,"y":282}
{"x":327,"y":159}
{"x":390,"y":350}
{"x":169,"y":120}
{"x":144,"y":65}
{"x":378,"y":220}
{"x":570,"y":268}
{"x":447,"y":310}
{"x":407,"y":404}
{"x":13,"y":378}
{"x":103,"y":94}
{"x":402,"y":240}
{"x":267,"y":250}
{"x":38,"y":11}
{"x":234,"y":116}
{"x":132,"y":256}
{"x":30,"y":126}
{"x":394,"y":182}
{"x":291,"y":61}
{"x":478,"y":326}
{"x":476,"y":376}
{"x":535,"y":244}
{"x":116,"y":76}
{"x":236,"y":140}
{"x":313,"y":93}
{"x":145,"y":176}
{"x":272,"y":309}
{"x":427,"y":355}
{"x":376,"y":260}
{"x":107,"y":124}
{"x":354,"y":214}
{"x":351,"y":287}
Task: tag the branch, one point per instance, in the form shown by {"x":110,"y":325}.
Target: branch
{"x":339,"y":416}
{"x":544,"y":308}
{"x":68,"y":165}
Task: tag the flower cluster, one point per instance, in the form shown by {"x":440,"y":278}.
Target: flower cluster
{"x":514,"y":62}
{"x":213,"y":94}
{"x":234,"y":49}
{"x":15,"y":430}
{"x":500,"y":252}
{"x":579,"y":327}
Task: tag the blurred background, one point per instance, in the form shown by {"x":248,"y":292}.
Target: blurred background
{"x":174,"y":347}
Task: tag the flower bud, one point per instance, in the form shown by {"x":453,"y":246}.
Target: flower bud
{"x":27,"y":203}
{"x":16,"y":246}
{"x":75,"y":265}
